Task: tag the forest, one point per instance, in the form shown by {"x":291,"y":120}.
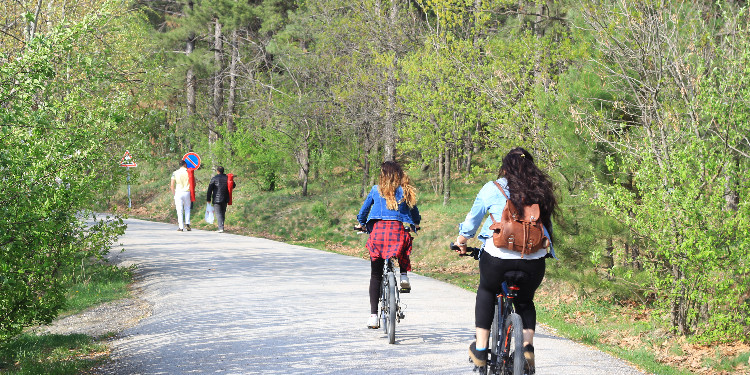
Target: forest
{"x":638,"y":110}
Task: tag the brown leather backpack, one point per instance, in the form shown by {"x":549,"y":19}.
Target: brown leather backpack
{"x":522,"y":234}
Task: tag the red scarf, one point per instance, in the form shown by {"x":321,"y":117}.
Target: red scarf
{"x":191,"y":179}
{"x":230,"y":185}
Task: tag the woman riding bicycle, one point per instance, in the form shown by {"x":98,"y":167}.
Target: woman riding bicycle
{"x":387,"y":207}
{"x":525,"y":184}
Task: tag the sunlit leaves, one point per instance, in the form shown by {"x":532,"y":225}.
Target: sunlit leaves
{"x":59,"y":113}
{"x":678,"y":183}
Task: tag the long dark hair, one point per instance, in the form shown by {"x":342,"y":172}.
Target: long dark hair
{"x":528,"y":184}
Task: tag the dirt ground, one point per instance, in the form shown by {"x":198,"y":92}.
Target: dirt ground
{"x":103,"y":320}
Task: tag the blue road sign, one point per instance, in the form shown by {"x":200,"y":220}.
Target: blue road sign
{"x":192,"y":159}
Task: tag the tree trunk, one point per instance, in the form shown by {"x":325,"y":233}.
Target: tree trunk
{"x":447,"y":177}
{"x":477,"y":13}
{"x":679,"y":304}
{"x":303,"y":158}
{"x":31,"y":26}
{"x":633,"y":254}
{"x":731,"y":195}
{"x":389,"y":133}
{"x":218,"y":89}
{"x":302,"y":154}
{"x":538,"y":29}
{"x":232,"y":81}
{"x":365,"y":174}
{"x":609,"y":258}
{"x":469,"y":150}
{"x":441,"y":171}
{"x":49,"y":15}
{"x":190,"y":74}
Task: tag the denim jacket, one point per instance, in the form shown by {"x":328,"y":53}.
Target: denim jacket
{"x":489,"y":200}
{"x":374,"y":208}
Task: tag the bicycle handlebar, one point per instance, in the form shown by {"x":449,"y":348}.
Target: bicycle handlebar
{"x":470,"y":251}
{"x":363,"y":229}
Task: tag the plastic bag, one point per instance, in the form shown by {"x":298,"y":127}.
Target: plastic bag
{"x":209,"y":213}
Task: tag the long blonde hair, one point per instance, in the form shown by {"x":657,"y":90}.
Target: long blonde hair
{"x":391,"y":177}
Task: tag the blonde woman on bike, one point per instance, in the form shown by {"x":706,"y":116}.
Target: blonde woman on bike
{"x":389,"y":205}
{"x":525,"y":184}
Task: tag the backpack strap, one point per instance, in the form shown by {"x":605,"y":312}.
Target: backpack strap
{"x":508,"y":204}
{"x":501,"y":189}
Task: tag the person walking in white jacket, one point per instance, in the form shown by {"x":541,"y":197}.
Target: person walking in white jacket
{"x":180,"y":186}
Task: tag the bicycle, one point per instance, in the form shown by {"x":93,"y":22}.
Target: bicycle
{"x":390,"y":302}
{"x":389,"y":306}
{"x":505,"y":356}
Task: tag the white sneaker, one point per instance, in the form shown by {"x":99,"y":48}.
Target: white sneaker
{"x":373,"y":322}
{"x":405,"y":285}
{"x":221,"y":230}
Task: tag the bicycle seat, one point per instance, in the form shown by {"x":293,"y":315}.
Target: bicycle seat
{"x":515,"y":277}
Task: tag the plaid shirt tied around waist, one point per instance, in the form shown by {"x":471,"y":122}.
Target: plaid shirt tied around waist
{"x":389,"y":239}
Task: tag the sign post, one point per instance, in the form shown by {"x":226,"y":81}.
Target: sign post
{"x":127,"y":161}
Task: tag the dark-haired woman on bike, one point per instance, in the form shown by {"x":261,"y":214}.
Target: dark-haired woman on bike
{"x":525,"y":184}
{"x":389,"y":205}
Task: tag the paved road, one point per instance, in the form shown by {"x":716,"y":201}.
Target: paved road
{"x":229,"y":304}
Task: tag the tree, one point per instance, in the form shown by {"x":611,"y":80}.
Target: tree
{"x":56,"y":158}
{"x":442,"y":104}
{"x":672,"y":157}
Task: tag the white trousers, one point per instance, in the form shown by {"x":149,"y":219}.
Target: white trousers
{"x":182,"y":203}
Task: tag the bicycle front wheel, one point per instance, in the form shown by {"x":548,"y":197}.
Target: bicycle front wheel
{"x":513,"y":345}
{"x":392,"y":308}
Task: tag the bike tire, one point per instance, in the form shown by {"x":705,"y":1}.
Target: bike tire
{"x":384,"y":305}
{"x":392,"y":308}
{"x":514,"y":345}
{"x":494,"y":333}
{"x":492,"y":355}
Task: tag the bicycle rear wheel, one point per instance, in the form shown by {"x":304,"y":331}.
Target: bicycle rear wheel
{"x":392,"y":308}
{"x":494,"y":333}
{"x":513,"y":345}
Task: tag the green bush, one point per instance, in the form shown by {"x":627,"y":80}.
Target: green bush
{"x":54,"y":161}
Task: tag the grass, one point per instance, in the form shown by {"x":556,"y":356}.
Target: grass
{"x":621,"y":331}
{"x":578,"y":304}
{"x":51,"y":354}
{"x":55,"y":354}
{"x":103,"y":283}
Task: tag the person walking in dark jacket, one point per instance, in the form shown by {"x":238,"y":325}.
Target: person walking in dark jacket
{"x":219,"y":195}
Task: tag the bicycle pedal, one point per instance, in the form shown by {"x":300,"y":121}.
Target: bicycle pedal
{"x":401,"y":315}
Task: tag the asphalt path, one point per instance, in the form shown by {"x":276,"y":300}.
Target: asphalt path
{"x":230,"y":304}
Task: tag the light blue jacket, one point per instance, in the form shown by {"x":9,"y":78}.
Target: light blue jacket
{"x":374,"y":208}
{"x":489,"y":200}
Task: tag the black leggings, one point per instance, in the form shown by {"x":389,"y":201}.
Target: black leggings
{"x":376,"y":277}
{"x":491,"y":272}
